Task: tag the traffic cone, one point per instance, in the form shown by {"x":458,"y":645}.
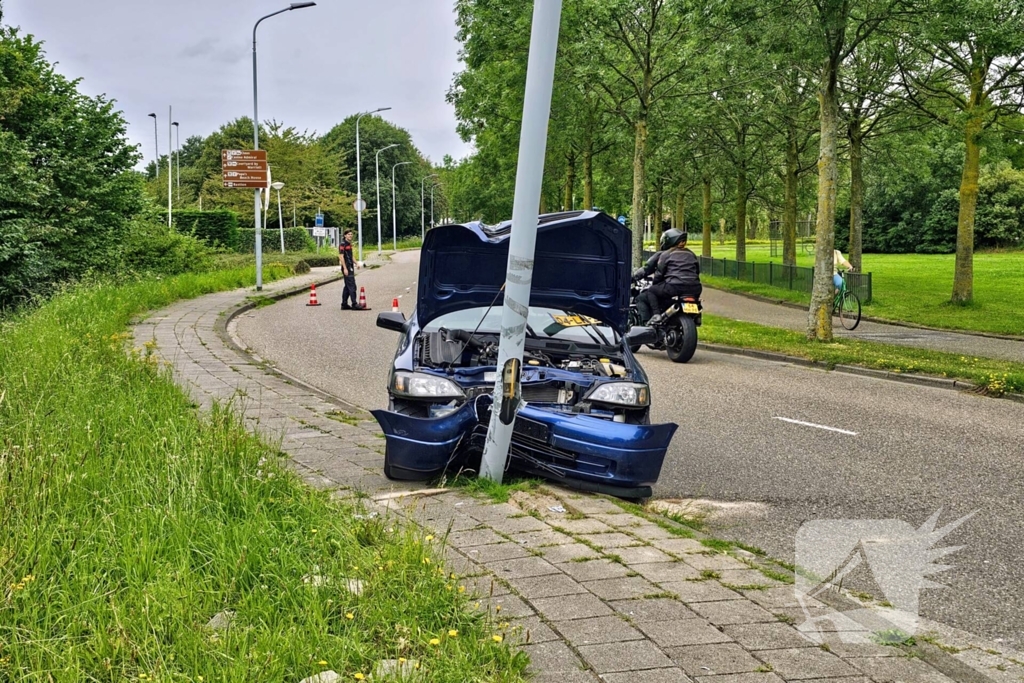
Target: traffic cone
{"x":362,"y":299}
{"x":312,"y":296}
{"x":394,"y":305}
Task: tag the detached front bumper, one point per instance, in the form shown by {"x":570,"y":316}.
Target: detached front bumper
{"x":574,"y":450}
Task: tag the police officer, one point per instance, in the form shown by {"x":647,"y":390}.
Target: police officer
{"x":676,"y":272}
{"x":348,"y":269}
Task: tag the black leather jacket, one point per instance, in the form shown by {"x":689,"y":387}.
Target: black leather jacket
{"x":674,"y":267}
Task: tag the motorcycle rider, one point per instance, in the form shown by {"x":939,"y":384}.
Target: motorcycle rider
{"x":676,"y":272}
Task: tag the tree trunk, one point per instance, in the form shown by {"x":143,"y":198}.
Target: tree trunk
{"x":639,"y":188}
{"x":588,"y":177}
{"x":819,"y":319}
{"x":963,"y":273}
{"x":856,"y":192}
{"x":741,"y":211}
{"x":679,"y":215}
{"x":792,"y":186}
{"x":705,"y":215}
{"x":570,"y":182}
{"x":659,"y":212}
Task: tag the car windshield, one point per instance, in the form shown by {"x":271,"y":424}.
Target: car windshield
{"x":543,"y":323}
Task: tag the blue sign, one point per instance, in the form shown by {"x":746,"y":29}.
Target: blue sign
{"x":319,"y":220}
{"x":622,"y":220}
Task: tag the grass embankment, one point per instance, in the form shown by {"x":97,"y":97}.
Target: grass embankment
{"x":915,"y":288}
{"x":128,"y":521}
{"x":996,"y":376}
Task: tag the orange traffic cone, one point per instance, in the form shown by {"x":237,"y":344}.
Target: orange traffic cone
{"x":362,"y":299}
{"x":394,"y":305}
{"x":312,"y":296}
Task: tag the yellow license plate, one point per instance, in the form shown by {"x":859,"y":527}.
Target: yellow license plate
{"x":690,"y":308}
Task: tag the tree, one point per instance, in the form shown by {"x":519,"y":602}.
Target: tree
{"x":67,"y":188}
{"x":972,"y":77}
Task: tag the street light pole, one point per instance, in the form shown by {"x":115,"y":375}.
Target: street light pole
{"x":359,"y":180}
{"x":432,"y":206}
{"x":170,"y":159}
{"x":377,"y":165}
{"x":156,"y":147}
{"x":423,"y":228}
{"x":256,"y":137}
{"x":394,"y":209}
{"x":177,"y":156}
{"x":280,"y":221}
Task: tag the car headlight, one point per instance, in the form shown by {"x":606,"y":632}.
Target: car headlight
{"x":621,"y":393}
{"x":422,"y":385}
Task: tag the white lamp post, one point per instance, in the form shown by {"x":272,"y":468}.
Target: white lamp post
{"x":359,"y":181}
{"x":170,"y":159}
{"x":256,"y":137}
{"x":177,"y":157}
{"x":394,"y":209}
{"x":377,"y":164}
{"x":156,"y":147}
{"x":280,"y":221}
{"x":423,"y":228}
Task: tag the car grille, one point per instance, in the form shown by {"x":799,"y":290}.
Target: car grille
{"x":546,"y":392}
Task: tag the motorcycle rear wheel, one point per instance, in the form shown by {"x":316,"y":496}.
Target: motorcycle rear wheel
{"x":686,"y":340}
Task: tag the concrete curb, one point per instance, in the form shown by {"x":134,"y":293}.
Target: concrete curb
{"x":922,"y":380}
{"x":871,"y":319}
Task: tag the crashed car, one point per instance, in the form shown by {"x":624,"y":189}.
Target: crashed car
{"x":584,"y":419}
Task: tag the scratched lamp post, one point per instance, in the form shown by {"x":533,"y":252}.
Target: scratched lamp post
{"x":540,"y":75}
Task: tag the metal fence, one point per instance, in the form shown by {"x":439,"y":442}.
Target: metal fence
{"x":797,"y":278}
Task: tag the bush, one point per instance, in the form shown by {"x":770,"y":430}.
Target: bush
{"x":216,"y":228}
{"x":321,"y":260}
{"x":300,"y":268}
{"x":151,"y":248}
{"x":295,"y":239}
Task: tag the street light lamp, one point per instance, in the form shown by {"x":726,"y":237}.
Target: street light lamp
{"x":156,"y":147}
{"x":177,"y":155}
{"x":280,"y":221}
{"x":377,"y":164}
{"x":394,"y":209}
{"x":423,"y":228}
{"x":359,"y":180}
{"x":256,"y":137}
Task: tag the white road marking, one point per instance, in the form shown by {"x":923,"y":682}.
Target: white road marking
{"x":816,"y":426}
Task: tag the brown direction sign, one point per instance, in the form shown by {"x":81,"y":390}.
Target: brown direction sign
{"x":244,"y":168}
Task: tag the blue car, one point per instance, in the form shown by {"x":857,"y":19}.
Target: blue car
{"x":585,"y":418}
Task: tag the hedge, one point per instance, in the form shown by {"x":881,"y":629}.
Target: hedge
{"x":216,"y":228}
{"x":295,"y":239}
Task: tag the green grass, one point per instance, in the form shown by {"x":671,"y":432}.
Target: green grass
{"x":129,"y":520}
{"x":499,"y":493}
{"x":915,"y":288}
{"x":996,"y":376}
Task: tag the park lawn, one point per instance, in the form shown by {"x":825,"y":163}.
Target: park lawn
{"x":915,"y":288}
{"x":129,"y":520}
{"x":995,"y":376}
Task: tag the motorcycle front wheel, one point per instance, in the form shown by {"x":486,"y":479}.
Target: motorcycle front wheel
{"x":683,"y":340}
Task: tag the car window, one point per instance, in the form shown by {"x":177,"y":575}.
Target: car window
{"x":545,"y":323}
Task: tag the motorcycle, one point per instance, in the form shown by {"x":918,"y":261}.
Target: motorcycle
{"x":677,"y":326}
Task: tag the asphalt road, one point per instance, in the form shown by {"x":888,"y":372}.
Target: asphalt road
{"x":911,"y":450}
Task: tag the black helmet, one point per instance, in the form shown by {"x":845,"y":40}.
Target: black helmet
{"x":671,"y":238}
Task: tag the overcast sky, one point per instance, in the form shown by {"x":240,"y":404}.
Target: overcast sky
{"x":316,"y":65}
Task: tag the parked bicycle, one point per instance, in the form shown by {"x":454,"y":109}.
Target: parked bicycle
{"x":847,"y":306}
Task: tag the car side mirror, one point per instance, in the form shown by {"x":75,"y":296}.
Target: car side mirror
{"x":391,"y":321}
{"x":637,"y":336}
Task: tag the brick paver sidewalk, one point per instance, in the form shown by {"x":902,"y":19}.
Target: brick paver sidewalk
{"x":598,"y":593}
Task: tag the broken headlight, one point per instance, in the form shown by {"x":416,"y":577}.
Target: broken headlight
{"x":422,"y":385}
{"x":621,"y":393}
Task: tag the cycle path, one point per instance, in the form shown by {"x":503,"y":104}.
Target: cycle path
{"x":738,"y":307}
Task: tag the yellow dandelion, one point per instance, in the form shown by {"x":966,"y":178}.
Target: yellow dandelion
{"x":426,"y":560}
{"x":349,"y":615}
{"x":313,"y":531}
{"x":462,"y":589}
{"x":497,"y":608}
{"x":359,"y":677}
{"x":453,"y":633}
{"x":200,"y":679}
{"x":435,"y":641}
{"x":401,"y":660}
{"x":430,"y":537}
{"x":497,"y":638}
{"x":322,"y":662}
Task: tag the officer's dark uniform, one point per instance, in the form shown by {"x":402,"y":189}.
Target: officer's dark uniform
{"x":345,"y":251}
{"x":676,"y":273}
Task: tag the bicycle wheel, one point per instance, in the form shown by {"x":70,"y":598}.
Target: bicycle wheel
{"x":849,"y":311}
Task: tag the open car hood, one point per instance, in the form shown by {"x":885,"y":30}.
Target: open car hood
{"x":582,"y":265}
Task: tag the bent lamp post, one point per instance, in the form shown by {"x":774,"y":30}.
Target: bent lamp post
{"x":540,"y":75}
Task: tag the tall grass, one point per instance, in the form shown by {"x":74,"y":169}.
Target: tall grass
{"x":127,"y":521}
